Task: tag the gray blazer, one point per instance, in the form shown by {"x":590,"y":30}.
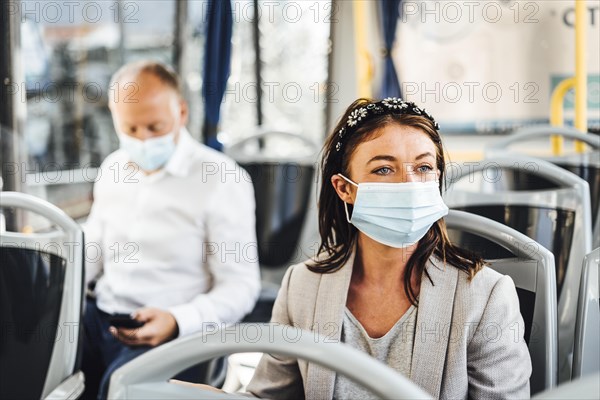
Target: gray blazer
{"x":468,"y":339}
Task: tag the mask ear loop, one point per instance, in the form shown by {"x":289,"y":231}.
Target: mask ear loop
{"x":346,"y":204}
{"x":346,"y":209}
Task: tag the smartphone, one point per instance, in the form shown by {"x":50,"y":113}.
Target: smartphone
{"x":124,"y":321}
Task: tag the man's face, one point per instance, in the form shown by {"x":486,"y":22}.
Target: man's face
{"x":143,"y":107}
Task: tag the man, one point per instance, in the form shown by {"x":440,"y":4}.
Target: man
{"x":175,"y":224}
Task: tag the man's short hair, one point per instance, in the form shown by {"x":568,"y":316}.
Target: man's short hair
{"x":161,"y":71}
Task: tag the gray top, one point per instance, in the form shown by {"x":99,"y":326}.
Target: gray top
{"x":394,"y":349}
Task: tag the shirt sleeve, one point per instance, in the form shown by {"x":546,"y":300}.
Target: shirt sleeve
{"x":93,"y":233}
{"x":499,"y":365}
{"x":231,"y":254}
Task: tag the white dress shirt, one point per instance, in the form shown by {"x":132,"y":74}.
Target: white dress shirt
{"x":181,"y":239}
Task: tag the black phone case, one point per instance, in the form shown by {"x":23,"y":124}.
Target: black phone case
{"x":124,"y":321}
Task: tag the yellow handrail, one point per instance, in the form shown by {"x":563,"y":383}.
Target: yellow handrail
{"x":580,"y":71}
{"x":556,"y":113}
{"x":363,"y":67}
{"x":579,"y":82}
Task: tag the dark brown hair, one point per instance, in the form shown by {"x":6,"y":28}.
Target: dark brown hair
{"x":338,"y":237}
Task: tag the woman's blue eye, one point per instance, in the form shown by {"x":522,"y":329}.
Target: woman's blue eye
{"x":383,"y":170}
{"x":425,"y":168}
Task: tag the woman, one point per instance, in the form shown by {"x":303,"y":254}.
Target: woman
{"x":388,"y":281}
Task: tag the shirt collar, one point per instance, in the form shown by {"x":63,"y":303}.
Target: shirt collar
{"x":180,"y":162}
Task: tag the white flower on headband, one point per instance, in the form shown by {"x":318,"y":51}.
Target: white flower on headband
{"x":389,"y":105}
{"x":356,"y":116}
{"x":394,"y":103}
{"x":426,"y":114}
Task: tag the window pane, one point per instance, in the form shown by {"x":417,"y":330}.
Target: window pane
{"x":70,"y":51}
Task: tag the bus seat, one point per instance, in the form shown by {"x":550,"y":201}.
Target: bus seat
{"x":531,"y":267}
{"x":584,"y":388}
{"x":558,"y":219}
{"x":264,"y":306}
{"x":282,"y":168}
{"x":585,"y":165}
{"x":586,"y":356}
{"x":41,"y":291}
{"x":147,"y":376}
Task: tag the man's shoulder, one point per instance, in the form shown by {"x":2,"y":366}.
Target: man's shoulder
{"x":203,"y":153}
{"x":115,"y":164}
{"x":214,"y":166}
{"x":117,"y":156}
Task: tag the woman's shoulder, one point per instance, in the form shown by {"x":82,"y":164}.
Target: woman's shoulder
{"x":486,"y":278}
{"x":495,"y":284}
{"x":483,"y":281}
{"x":303,"y":280}
{"x":299,"y":291}
{"x":301,"y":275}
{"x":487,"y":284}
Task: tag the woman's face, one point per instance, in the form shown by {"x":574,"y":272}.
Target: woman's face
{"x":397,"y":154}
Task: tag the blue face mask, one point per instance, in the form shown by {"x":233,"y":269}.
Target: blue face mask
{"x":396,"y":214}
{"x":150,"y":154}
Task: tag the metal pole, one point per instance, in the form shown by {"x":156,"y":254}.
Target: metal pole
{"x":181,"y":11}
{"x":121,"y":33}
{"x":581,"y":74}
{"x":12,"y":104}
{"x":329,"y":81}
{"x":257,"y":63}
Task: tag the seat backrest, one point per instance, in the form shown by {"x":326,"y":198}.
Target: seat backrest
{"x":531,"y":267}
{"x":282,"y":197}
{"x":147,"y":375}
{"x":586,"y":356}
{"x":41,"y":290}
{"x":283,"y":181}
{"x":586,"y":165}
{"x":588,"y":170}
{"x":559,"y":219}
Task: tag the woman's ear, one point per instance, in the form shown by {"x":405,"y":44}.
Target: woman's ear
{"x":344,"y":189}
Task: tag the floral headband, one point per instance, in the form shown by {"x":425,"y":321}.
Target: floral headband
{"x":389,"y":105}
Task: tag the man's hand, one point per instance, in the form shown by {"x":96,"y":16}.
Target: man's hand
{"x":160,"y":326}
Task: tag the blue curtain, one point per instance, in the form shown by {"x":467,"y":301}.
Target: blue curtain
{"x":390,"y":13}
{"x":217,"y":59}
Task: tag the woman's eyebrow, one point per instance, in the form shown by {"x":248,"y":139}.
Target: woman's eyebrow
{"x":426,"y":154}
{"x":386,"y":157}
{"x":383,"y":157}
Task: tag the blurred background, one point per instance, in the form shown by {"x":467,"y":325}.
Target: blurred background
{"x":497,"y":75}
{"x":482,"y":68}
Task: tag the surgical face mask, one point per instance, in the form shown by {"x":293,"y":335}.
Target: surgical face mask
{"x":149,"y":154}
{"x":396,"y":214}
